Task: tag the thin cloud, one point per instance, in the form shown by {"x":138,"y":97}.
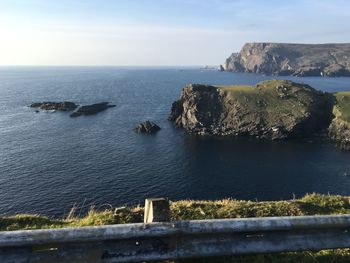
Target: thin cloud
{"x":159,"y":32}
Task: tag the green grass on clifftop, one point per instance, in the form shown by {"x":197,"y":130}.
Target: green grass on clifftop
{"x":342,"y":106}
{"x":278,"y":99}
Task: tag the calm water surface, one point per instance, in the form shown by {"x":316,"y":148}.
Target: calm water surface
{"x":49,"y":161}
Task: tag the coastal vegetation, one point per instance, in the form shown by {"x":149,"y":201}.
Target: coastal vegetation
{"x":342,"y":106}
{"x":276,"y":98}
{"x":311,"y":204}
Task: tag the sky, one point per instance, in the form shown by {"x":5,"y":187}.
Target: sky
{"x":159,"y":32}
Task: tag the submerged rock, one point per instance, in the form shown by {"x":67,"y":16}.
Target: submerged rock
{"x":273,"y":109}
{"x":147,"y":127}
{"x":49,"y":105}
{"x":91,"y":109}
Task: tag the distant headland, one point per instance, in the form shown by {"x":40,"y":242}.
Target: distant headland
{"x":300,"y":60}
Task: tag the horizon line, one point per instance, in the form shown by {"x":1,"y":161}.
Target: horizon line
{"x":100,"y":65}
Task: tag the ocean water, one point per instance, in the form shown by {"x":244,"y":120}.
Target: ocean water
{"x":49,"y":161}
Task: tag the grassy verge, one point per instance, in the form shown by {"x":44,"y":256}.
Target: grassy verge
{"x":312,"y":204}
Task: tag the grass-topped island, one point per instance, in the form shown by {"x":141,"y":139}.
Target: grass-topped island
{"x":274,"y":109}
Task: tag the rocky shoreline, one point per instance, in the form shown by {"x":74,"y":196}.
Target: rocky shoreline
{"x":271,"y":110}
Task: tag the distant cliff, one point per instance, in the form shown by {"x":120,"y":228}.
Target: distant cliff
{"x":291,"y":59}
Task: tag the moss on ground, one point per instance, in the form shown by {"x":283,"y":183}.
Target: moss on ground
{"x":311,"y":204}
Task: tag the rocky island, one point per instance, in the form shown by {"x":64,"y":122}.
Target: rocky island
{"x":49,"y":105}
{"x":147,"y":127}
{"x":71,"y":106}
{"x":291,"y":59}
{"x":274,"y":109}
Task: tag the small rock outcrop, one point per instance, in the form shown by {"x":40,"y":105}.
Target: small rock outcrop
{"x":291,"y":59}
{"x":147,"y":127}
{"x":272,"y":109}
{"x":60,"y":106}
{"x":91,"y":109}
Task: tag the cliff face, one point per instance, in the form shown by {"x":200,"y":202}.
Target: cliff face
{"x":273,"y":109}
{"x":291,"y":59}
{"x":339,"y":130}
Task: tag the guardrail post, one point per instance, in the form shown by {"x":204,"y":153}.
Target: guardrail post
{"x":156,"y":210}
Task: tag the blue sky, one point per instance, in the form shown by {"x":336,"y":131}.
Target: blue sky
{"x":159,"y":32}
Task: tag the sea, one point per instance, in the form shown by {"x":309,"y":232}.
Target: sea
{"x":50,"y":162}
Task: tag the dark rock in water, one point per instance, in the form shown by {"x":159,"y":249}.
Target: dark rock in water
{"x":147,"y":127}
{"x":273,"y":109}
{"x":70,"y":106}
{"x":49,"y":105}
{"x":91,"y":109}
{"x":291,"y":59}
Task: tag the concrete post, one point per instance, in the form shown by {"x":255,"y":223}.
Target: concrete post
{"x":156,"y":210}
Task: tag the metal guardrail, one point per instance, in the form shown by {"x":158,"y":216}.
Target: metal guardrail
{"x":175,"y":240}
